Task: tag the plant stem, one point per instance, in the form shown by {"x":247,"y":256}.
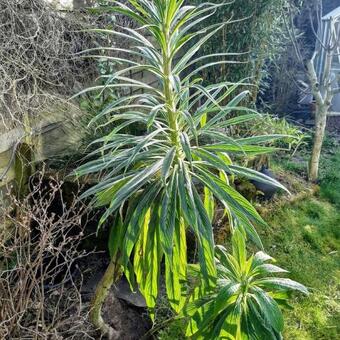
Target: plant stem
{"x":168,"y":90}
{"x":110,"y":276}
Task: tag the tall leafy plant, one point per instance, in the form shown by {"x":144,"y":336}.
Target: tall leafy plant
{"x":152,"y":182}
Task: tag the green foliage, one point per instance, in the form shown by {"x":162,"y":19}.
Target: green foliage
{"x":246,"y":301}
{"x":96,"y":101}
{"x":153,"y":179}
{"x":257,"y":30}
{"x":293,"y":137}
{"x":289,"y":139}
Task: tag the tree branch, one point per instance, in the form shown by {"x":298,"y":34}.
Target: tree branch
{"x":313,"y":79}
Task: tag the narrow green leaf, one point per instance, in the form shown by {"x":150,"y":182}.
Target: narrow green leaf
{"x":167,"y":163}
{"x":239,"y":248}
{"x":247,"y":149}
{"x":116,"y":235}
{"x":270,"y":310}
{"x":175,"y":269}
{"x":186,"y":146}
{"x":209,"y":203}
{"x":282,"y":283}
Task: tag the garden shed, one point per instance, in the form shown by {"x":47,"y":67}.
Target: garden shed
{"x":329,"y":34}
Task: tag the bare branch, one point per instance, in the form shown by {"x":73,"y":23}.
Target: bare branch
{"x":314,"y":81}
{"x":316,"y":35}
{"x":39,"y":280}
{"x":293,"y":37}
{"x":336,"y":91}
{"x":37,"y":49}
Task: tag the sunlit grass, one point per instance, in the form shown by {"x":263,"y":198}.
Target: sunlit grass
{"x":305,"y":238}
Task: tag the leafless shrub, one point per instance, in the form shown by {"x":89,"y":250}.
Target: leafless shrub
{"x":39,"y":278}
{"x":38,"y":64}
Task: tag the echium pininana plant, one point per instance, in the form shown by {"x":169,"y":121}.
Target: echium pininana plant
{"x":152,"y":182}
{"x":245,"y":303}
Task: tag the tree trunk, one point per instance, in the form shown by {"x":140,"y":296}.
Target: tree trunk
{"x":319,"y":133}
{"x":323,"y":98}
{"x":111,"y":275}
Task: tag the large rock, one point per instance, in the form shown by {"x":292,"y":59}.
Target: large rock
{"x":123,"y":291}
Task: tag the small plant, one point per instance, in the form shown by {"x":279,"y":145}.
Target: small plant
{"x":292,"y":137}
{"x":246,"y":301}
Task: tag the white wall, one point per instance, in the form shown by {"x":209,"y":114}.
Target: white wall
{"x":69,"y":5}
{"x":61,"y":4}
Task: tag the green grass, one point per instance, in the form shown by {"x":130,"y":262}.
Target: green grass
{"x":304,"y":237}
{"x":299,"y":168}
{"x":330,"y":179}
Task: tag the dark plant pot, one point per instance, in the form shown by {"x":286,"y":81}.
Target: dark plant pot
{"x":267,"y":189}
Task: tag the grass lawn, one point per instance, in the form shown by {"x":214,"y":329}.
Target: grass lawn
{"x":304,"y":237}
